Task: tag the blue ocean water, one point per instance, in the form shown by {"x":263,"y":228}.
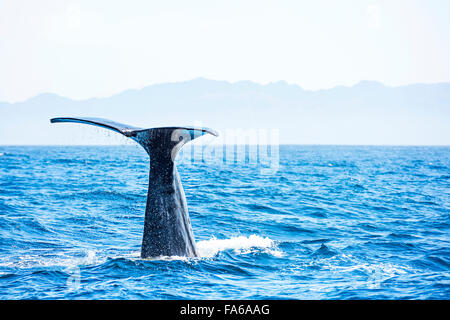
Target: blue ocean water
{"x":334,"y":222}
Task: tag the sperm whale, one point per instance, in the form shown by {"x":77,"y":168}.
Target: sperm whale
{"x":167,"y":227}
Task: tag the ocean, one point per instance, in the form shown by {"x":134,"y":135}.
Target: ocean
{"x":330,"y":222}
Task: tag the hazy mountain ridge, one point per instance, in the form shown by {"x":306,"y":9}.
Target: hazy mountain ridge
{"x":366,"y":113}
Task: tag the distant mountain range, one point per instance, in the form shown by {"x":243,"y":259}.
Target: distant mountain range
{"x":367,"y":113}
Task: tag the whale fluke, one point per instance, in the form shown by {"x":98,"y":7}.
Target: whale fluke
{"x":167,"y":227}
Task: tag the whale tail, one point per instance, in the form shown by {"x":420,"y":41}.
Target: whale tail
{"x":167,"y":227}
{"x":170,"y":136}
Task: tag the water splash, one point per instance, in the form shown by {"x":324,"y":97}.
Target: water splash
{"x":241,"y":245}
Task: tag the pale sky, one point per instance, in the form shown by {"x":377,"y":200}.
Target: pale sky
{"x":95,"y":48}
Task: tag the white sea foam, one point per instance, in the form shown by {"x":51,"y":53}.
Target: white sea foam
{"x":32,"y":259}
{"x":209,"y":248}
